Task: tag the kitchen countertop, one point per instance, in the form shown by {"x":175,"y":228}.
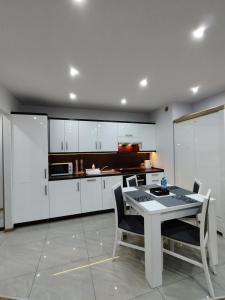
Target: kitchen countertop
{"x":114,"y":173}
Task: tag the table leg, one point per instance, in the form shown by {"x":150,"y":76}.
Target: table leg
{"x":153,"y":262}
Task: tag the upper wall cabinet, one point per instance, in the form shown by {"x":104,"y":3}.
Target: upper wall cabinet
{"x":148,"y":136}
{"x":63,"y":136}
{"x":97,"y":136}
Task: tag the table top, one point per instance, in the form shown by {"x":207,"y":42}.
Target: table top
{"x":178,"y":199}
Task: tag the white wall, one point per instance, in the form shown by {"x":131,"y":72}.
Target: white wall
{"x":164,"y":157}
{"x":66,"y":112}
{"x":7,"y":101}
{"x":209,"y":102}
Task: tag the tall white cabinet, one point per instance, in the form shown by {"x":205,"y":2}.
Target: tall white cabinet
{"x":199,"y":153}
{"x":30,"y":165}
{"x":63,"y":136}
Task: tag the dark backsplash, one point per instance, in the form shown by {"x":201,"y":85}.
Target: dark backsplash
{"x":113,"y":160}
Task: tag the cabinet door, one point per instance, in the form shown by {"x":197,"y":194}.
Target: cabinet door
{"x":64,"y":197}
{"x":91,"y":194}
{"x":129,"y":130}
{"x":108,"y":200}
{"x":147,"y":136}
{"x":71,"y":136}
{"x":107,"y":136}
{"x":30,"y":162}
{"x":57,"y":133}
{"x":88,"y":136}
{"x":154,"y":178}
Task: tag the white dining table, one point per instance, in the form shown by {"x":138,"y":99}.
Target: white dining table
{"x":154,"y":214}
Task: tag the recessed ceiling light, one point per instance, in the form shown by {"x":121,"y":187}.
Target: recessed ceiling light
{"x":73,"y":96}
{"x":123,"y":101}
{"x":79,"y":1}
{"x":195,"y":89}
{"x":199,"y":33}
{"x":74,"y":72}
{"x":143,"y":82}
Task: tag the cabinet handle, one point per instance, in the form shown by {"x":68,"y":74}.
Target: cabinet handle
{"x":78,"y":186}
{"x":91,"y":179}
{"x":128,"y":135}
{"x":100,"y":145}
{"x":154,"y":175}
{"x":104,"y":184}
{"x":46,"y":190}
{"x":62,"y":146}
{"x":96,"y":145}
{"x":66,"y":146}
{"x":45,"y":172}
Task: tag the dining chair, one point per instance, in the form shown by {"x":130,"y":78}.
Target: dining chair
{"x":133,"y":224}
{"x":191,"y":236}
{"x":132,"y":181}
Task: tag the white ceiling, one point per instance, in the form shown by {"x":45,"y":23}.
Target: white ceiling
{"x":114,"y":44}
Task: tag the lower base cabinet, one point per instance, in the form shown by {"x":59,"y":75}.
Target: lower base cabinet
{"x":108,"y":201}
{"x":65,"y":198}
{"x":91,"y":194}
{"x":154,"y":178}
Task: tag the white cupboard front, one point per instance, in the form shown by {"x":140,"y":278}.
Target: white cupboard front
{"x":30,"y":164}
{"x":107,"y":136}
{"x":64,"y":197}
{"x":108,"y":201}
{"x":91,"y":194}
{"x":63,"y":136}
{"x":88,"y":136}
{"x":147,"y":136}
{"x":154,"y":178}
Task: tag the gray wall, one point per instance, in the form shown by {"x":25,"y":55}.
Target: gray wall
{"x":66,"y":112}
{"x":209,"y":102}
{"x":7,"y":101}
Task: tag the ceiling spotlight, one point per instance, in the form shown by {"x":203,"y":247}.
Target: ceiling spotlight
{"x":74,"y":72}
{"x":199,"y":32}
{"x":79,"y":1}
{"x":73,"y":96}
{"x":195,"y":89}
{"x":143,"y":82}
{"x":123,"y":101}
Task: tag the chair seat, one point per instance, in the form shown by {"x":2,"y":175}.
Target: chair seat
{"x":132,"y":223}
{"x":182,"y":232}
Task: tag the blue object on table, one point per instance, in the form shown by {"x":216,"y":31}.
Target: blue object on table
{"x":164,"y":183}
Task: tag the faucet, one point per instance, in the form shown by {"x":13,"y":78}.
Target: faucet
{"x":104,"y":168}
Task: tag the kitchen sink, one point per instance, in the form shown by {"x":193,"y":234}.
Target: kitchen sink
{"x":110,"y":171}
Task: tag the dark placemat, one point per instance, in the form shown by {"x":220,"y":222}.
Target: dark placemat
{"x":179,"y":191}
{"x":140,"y":196}
{"x":175,"y":200}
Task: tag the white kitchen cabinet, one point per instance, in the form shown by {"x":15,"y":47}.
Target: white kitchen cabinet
{"x":129,"y":130}
{"x":154,"y":178}
{"x":63,"y":136}
{"x":30,"y":164}
{"x":91,"y":194}
{"x":108,"y":200}
{"x":147,"y":136}
{"x":64,"y":197}
{"x":88,"y":136}
{"x":107,"y":136}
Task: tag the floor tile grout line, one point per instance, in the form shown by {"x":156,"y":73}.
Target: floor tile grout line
{"x":90,"y":270}
{"x":42,"y":251}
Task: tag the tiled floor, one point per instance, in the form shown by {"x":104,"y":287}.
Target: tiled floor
{"x":70,"y":260}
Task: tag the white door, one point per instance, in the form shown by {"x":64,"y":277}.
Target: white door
{"x":57,"y":133}
{"x":71,"y":136}
{"x":64,"y":197}
{"x":30,"y":163}
{"x":108,"y":200}
{"x":91,"y":194}
{"x":88,"y":136}
{"x":107,"y":136}
{"x":147,"y":137}
{"x":185,"y":160}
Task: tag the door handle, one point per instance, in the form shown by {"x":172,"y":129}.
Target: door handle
{"x":78,"y":186}
{"x":46,"y":190}
{"x":62,"y":146}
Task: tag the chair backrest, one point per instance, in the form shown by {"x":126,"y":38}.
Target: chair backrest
{"x":203,"y":217}
{"x":197,"y":186}
{"x":132,"y":181}
{"x":119,"y":203}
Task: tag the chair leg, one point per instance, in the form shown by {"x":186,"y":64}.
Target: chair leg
{"x":211,"y":258}
{"x":162,"y":240}
{"x":206,"y":270}
{"x":115,"y":243}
